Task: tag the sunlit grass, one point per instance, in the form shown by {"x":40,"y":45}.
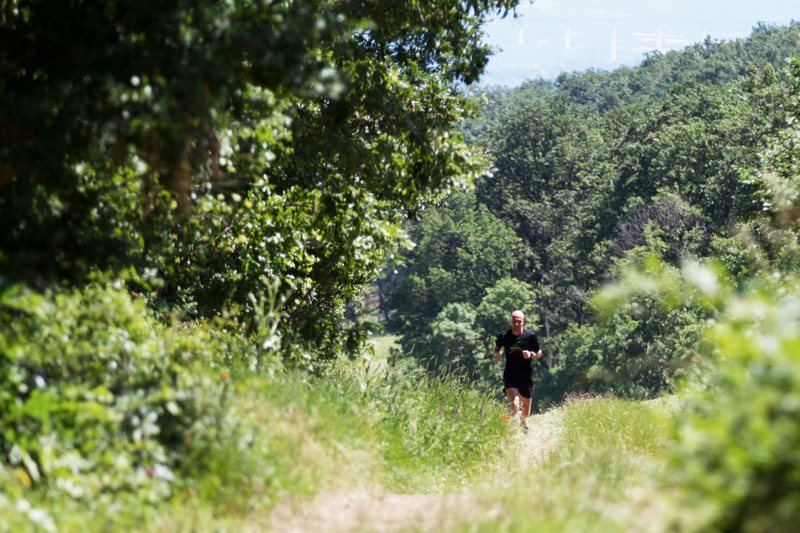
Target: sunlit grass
{"x":382,"y":345}
{"x":435,"y":433}
{"x":394,"y":427}
{"x":294,"y":435}
{"x":291,"y":437}
{"x":440,"y":436}
{"x":608,"y":455}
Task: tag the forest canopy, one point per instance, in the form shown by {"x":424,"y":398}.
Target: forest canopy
{"x":595,"y":172}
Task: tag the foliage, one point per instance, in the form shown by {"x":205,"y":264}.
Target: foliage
{"x":126,"y":405}
{"x":454,"y":344}
{"x":639,"y":346}
{"x":242,"y":167}
{"x":507,"y":295}
{"x":461,"y":250}
{"x":599,"y":169}
{"x":738,"y":438}
{"x":668,"y":225}
{"x":739,"y":432}
{"x":233,"y":445}
{"x":218,"y":147}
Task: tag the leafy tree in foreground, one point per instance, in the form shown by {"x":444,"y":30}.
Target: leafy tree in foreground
{"x":216,"y":146}
{"x":737,"y":430}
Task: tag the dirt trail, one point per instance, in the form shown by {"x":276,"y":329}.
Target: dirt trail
{"x":371,"y":510}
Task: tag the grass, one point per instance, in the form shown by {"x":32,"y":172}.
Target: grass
{"x":438,"y":435}
{"x":382,"y":345}
{"x":374,"y":422}
{"x":601,"y":476}
{"x":293,"y":435}
{"x":434,"y":433}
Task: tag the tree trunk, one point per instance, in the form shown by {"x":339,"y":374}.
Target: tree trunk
{"x":179,"y":177}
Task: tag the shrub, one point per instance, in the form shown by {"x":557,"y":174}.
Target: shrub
{"x":96,"y":398}
{"x":740,"y":428}
{"x":737,"y":432}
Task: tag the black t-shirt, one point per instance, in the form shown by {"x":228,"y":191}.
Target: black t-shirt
{"x":513,"y":346}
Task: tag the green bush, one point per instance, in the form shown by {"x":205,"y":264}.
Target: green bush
{"x":739,"y":431}
{"x":96,"y":398}
{"x":112,"y":420}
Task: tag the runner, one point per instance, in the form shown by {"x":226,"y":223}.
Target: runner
{"x":521,"y":348}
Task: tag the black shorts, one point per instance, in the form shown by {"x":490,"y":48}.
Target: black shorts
{"x":523,"y":382}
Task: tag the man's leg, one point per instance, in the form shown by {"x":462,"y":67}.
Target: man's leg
{"x":526,"y":406}
{"x":514,"y":399}
{"x":525,"y":412}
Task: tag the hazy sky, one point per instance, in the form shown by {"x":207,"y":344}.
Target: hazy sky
{"x":553,"y":36}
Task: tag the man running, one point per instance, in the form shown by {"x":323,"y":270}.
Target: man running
{"x":521,"y":348}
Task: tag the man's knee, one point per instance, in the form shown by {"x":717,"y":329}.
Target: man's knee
{"x":513,"y":395}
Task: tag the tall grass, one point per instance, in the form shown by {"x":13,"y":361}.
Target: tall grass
{"x":609,"y":452}
{"x":291,"y":435}
{"x":435,"y":433}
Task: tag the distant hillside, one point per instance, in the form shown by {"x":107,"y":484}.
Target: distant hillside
{"x":591,"y":172}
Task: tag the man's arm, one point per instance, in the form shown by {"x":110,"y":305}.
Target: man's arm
{"x":535,"y":351}
{"x":496,"y":352}
{"x":538,"y":353}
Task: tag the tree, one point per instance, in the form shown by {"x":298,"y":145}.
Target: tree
{"x":504,"y":297}
{"x":669,"y":225}
{"x":214,"y":147}
{"x":454,"y":346}
{"x":600,"y":168}
{"x":461,"y":250}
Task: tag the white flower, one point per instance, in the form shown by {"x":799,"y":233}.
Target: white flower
{"x":701,"y":277}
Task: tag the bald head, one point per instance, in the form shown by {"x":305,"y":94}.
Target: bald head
{"x":517,"y":322}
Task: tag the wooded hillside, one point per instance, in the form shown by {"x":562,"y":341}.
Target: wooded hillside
{"x":593,"y":172}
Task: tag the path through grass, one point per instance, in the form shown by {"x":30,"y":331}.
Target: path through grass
{"x":587,"y":466}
